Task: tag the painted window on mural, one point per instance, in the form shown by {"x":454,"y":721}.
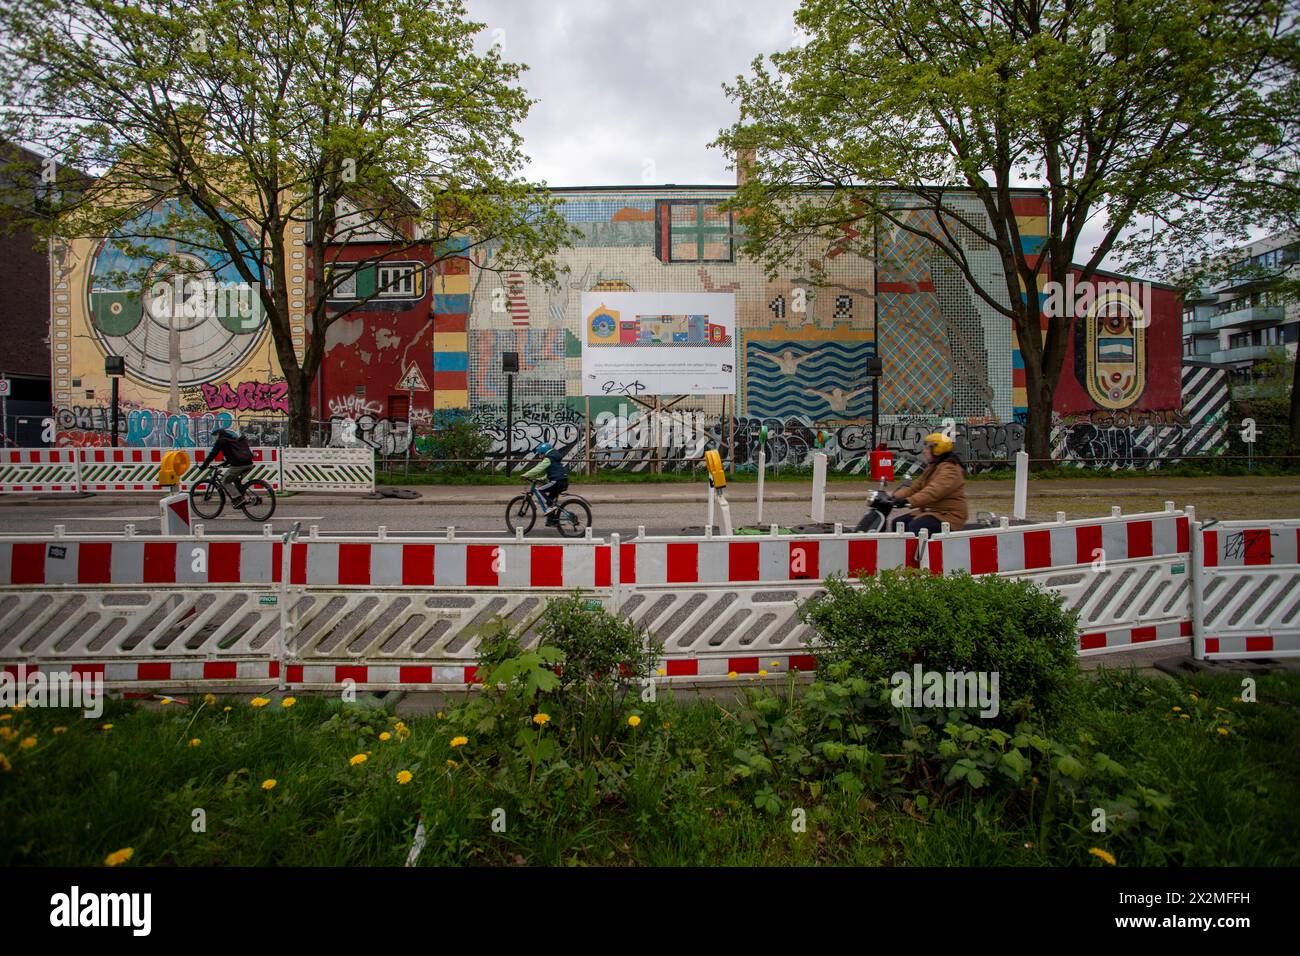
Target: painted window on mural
{"x":693,"y":230}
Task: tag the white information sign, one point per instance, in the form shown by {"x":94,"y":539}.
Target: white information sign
{"x":658,"y":343}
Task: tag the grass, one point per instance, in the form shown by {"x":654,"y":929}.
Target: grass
{"x":662,"y":794}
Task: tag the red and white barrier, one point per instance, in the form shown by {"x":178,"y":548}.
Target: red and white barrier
{"x":40,"y":469}
{"x":1022,"y":548}
{"x":1246,"y":599}
{"x":136,"y":469}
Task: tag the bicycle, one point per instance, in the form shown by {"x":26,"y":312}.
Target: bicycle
{"x":572,"y":512}
{"x":208,"y":497}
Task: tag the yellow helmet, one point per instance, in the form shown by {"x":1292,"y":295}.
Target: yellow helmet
{"x":941,"y":442}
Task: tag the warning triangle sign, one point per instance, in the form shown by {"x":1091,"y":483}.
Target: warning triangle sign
{"x":412,"y":380}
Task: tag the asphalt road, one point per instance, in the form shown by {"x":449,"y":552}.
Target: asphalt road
{"x":664,"y":508}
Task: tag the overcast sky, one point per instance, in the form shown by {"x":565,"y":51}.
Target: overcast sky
{"x":624,"y":84}
{"x":630,"y":91}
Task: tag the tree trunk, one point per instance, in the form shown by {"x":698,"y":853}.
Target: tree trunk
{"x":300,"y":410}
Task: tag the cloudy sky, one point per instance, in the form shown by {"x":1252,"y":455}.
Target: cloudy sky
{"x":631,"y":90}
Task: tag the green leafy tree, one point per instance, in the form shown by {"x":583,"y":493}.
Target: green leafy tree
{"x":1117,"y":110}
{"x":317,"y":120}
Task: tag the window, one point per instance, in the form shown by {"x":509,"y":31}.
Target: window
{"x":347,"y":287}
{"x":397,"y":281}
{"x":693,"y":230}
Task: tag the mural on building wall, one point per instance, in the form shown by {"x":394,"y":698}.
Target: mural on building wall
{"x":195,"y":343}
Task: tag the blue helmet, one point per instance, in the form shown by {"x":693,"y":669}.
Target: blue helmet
{"x":543,"y":449}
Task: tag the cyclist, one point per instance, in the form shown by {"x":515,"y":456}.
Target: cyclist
{"x":938,"y":494}
{"x":239,"y":461}
{"x":557,"y":477}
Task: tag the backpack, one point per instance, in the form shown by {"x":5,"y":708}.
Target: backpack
{"x":237,"y":451}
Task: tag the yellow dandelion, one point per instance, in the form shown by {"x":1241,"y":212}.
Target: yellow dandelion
{"x":459,"y":741}
{"x":288,"y":702}
{"x":1178,"y":710}
{"x":269,"y":783}
{"x":358,"y":759}
{"x":5,"y":765}
{"x":226,"y":709}
{"x":762,"y":673}
{"x":165,"y":701}
{"x":541,"y":719}
{"x":452,"y":763}
{"x":439,"y":715}
{"x":1184,"y":716}
{"x":260,"y":701}
{"x":662,"y":671}
{"x":194,"y":741}
{"x":1102,"y":855}
{"x":210,"y":699}
{"x":776,"y":663}
{"x":105,"y":726}
{"x":1193,"y":697}
{"x":633,"y":721}
{"x":27,"y":743}
{"x":1223,"y":731}
{"x":8,"y":733}
{"x":5,"y":717}
{"x":404,"y":777}
{"x":385,"y":736}
{"x":60,"y":730}
{"x":118,"y":857}
{"x":731,"y":675}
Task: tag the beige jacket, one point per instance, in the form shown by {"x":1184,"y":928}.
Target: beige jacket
{"x":940,"y":490}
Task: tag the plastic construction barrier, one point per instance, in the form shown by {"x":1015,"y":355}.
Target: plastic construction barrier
{"x":1248,"y":589}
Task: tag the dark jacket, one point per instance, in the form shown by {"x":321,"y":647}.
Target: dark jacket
{"x":235,"y":451}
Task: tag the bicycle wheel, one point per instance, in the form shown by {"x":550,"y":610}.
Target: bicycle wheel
{"x":521,"y":513}
{"x":572,"y":517}
{"x":259,"y":500}
{"x":207,"y":498}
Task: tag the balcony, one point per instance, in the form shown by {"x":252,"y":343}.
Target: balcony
{"x":1244,"y":353}
{"x":1198,"y":327}
{"x":1250,"y":315}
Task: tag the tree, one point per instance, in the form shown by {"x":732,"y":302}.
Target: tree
{"x":1116,"y":109}
{"x":279,"y":115}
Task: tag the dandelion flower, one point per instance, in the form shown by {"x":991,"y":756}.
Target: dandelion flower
{"x":358,"y":759}
{"x":260,"y":701}
{"x":269,"y":783}
{"x":541,"y":719}
{"x":662,"y":671}
{"x":194,"y":741}
{"x":27,"y":743}
{"x":731,"y":675}
{"x":1223,"y":731}
{"x":1236,"y":700}
{"x":226,"y":709}
{"x":452,"y":763}
{"x":60,"y":730}
{"x":210,"y":699}
{"x":8,"y":733}
{"x":440,"y":715}
{"x":776,"y":663}
{"x":385,"y":736}
{"x":404,"y":777}
{"x":459,"y":741}
{"x":288,"y":702}
{"x":1193,"y":696}
{"x":1178,"y":710}
{"x":1102,"y":855}
{"x":165,"y":701}
{"x":105,"y":726}
{"x":118,"y":857}
{"x":1185,"y":716}
{"x":633,"y":721}
{"x":762,"y":673}
{"x":5,"y":717}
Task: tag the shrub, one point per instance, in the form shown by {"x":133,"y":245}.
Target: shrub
{"x":987,"y":624}
{"x":599,"y":647}
{"x":455,"y":439}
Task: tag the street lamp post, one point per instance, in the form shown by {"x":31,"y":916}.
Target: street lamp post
{"x":510,"y":365}
{"x":114,"y":368}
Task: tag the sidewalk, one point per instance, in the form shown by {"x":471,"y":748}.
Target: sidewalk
{"x":1096,"y":489}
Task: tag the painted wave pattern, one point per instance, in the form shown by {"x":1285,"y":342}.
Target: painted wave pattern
{"x":770,"y":392}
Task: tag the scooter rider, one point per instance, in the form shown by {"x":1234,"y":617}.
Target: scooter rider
{"x":938,"y":494}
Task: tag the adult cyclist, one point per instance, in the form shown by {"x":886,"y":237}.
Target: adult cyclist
{"x":233,"y":447}
{"x":938,"y":494}
{"x":557,"y":477}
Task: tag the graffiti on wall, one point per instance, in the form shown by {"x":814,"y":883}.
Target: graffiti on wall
{"x":247,"y":396}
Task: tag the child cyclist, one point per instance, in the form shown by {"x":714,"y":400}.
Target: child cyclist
{"x":557,"y":477}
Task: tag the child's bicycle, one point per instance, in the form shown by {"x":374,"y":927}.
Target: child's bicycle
{"x":572,"y":514}
{"x":208,"y":497}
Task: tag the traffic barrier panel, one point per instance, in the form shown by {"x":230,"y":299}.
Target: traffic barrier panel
{"x":1247,"y":575}
{"x":106,"y":470}
{"x":328,"y":469}
{"x":40,"y":469}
